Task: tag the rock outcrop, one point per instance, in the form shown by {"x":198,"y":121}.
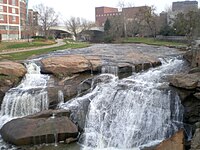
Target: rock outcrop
{"x":10,"y":75}
{"x":71,"y":71}
{"x":176,"y":142}
{"x":186,"y":81}
{"x":69,"y":64}
{"x":40,"y":128}
{"x":9,"y":68}
{"x":195,"y":144}
{"x":188,"y":87}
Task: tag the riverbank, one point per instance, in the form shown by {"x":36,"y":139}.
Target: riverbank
{"x":22,"y":54}
{"x":152,"y":41}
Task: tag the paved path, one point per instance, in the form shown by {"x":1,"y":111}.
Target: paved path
{"x":59,"y":43}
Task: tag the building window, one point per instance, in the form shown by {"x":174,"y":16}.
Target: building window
{"x":14,"y":19}
{"x":1,"y":8}
{"x":1,"y":17}
{"x":13,"y":28}
{"x":2,"y":27}
{"x":14,"y":2}
{"x":13,"y":10}
{"x":1,"y":1}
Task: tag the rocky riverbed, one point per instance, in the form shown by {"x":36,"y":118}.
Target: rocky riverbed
{"x":72,"y":72}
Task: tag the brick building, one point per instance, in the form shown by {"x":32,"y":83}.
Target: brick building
{"x":32,"y":17}
{"x":129,"y":13}
{"x":14,"y":20}
{"x":10,"y":19}
{"x":102,"y":13}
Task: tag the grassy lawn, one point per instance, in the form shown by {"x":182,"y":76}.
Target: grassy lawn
{"x":25,"y":55}
{"x":151,"y":41}
{"x":23,"y":45}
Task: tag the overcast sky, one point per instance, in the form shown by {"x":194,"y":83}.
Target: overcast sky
{"x":86,"y":8}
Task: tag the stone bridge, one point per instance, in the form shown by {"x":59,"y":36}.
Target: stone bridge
{"x":79,"y":30}
{"x":63,"y":32}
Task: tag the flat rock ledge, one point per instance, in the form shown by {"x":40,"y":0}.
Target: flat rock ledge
{"x":67,"y":65}
{"x":43,"y":127}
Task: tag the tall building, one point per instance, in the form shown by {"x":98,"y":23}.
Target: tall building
{"x":10,"y":19}
{"x":184,"y":6}
{"x":129,"y":13}
{"x":23,"y":12}
{"x":32,"y":17}
{"x":16,"y":21}
{"x":102,"y":13}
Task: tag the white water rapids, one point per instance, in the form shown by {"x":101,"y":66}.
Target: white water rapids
{"x":29,"y":97}
{"x":130,"y":113}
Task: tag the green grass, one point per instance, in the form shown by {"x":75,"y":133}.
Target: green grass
{"x":23,"y":45}
{"x":28,"y":54}
{"x":151,"y":41}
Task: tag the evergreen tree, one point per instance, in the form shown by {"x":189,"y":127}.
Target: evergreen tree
{"x":107,"y":26}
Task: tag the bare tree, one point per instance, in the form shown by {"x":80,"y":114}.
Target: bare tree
{"x":150,"y":19}
{"x":77,"y":25}
{"x":122,"y":4}
{"x":47,"y":17}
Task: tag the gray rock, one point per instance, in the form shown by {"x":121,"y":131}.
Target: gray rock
{"x":195,"y":144}
{"x":197,"y":95}
{"x":185,"y":81}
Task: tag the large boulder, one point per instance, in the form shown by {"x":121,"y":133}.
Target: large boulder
{"x":186,"y":81}
{"x":176,"y":142}
{"x":69,"y":64}
{"x":9,"y":68}
{"x":44,"y":127}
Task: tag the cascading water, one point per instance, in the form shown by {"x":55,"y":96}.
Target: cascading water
{"x":132,"y":112}
{"x":27,"y":98}
{"x":110,"y":69}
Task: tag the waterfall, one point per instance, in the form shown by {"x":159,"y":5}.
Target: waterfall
{"x":110,"y":69}
{"x":133,"y":112}
{"x":29,"y":97}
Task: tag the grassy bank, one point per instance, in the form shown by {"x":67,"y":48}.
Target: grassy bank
{"x":25,"y":55}
{"x":23,"y":45}
{"x":151,"y":41}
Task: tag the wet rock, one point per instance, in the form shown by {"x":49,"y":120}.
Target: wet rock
{"x":39,"y":128}
{"x":69,"y":64}
{"x":197,"y":95}
{"x":188,"y":56}
{"x":48,"y":113}
{"x":176,"y":142}
{"x":183,"y":93}
{"x":186,"y":81}
{"x":195,"y":144}
{"x":70,"y":140}
{"x":191,"y":109}
{"x":194,"y":70}
{"x":70,"y":86}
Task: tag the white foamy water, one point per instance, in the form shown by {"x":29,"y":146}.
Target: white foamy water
{"x":132,"y":112}
{"x":29,"y":97}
